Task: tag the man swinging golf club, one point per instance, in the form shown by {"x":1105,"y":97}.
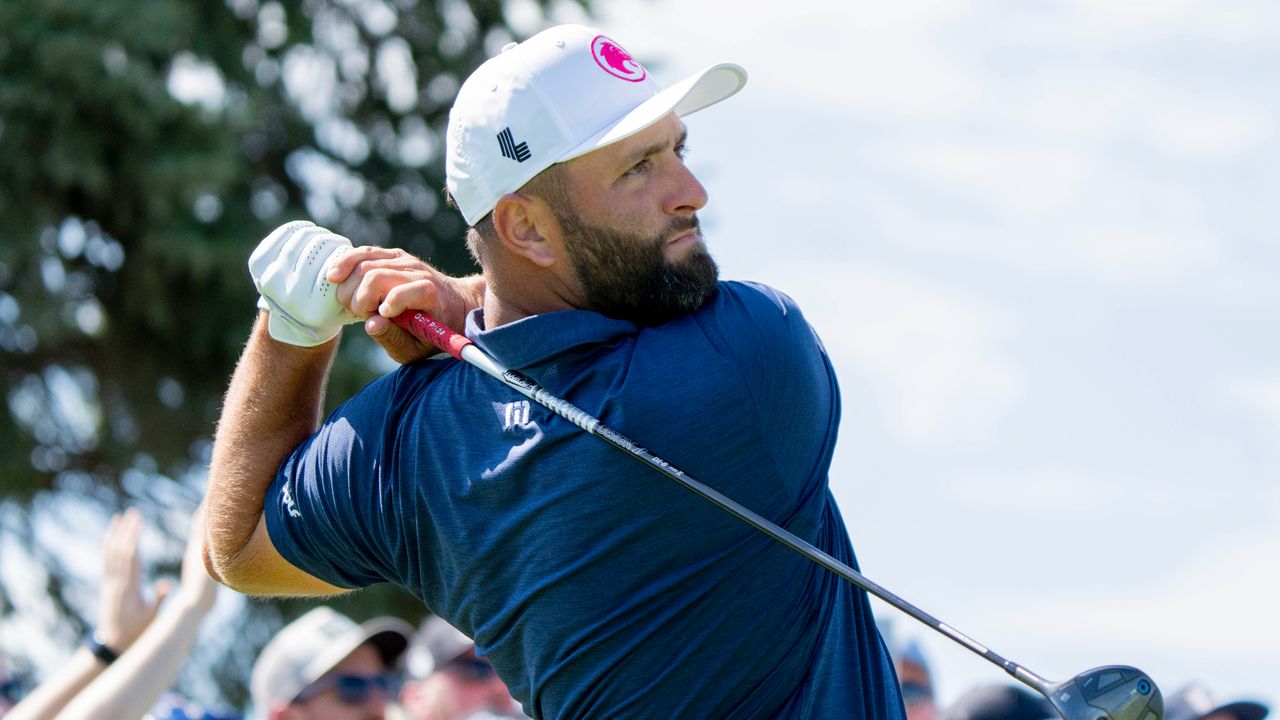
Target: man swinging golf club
{"x":595,"y":589}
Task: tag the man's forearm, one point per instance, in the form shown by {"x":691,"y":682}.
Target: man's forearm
{"x":274,"y":402}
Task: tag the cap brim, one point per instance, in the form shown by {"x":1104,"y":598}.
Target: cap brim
{"x":694,"y":93}
{"x":389,"y":635}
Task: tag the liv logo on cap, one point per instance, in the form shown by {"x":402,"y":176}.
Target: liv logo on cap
{"x":507,"y":144}
{"x":614,"y":60}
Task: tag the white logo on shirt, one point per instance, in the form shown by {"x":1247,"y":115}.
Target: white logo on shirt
{"x":515,"y":414}
{"x":288,"y":503}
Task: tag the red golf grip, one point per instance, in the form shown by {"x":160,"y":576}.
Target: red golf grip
{"x":428,"y":329}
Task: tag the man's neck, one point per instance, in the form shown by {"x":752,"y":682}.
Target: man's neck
{"x":506,"y":302}
{"x":498,"y":313}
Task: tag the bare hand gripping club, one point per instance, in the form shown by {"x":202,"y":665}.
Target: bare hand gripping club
{"x":1111,"y":692}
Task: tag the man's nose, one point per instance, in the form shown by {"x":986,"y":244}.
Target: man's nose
{"x":688,"y":196}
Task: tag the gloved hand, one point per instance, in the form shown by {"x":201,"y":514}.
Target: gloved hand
{"x":288,"y":268}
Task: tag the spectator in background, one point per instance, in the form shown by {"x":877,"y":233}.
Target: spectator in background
{"x":1195,"y":702}
{"x":1000,"y":702}
{"x":135,"y":653}
{"x":915,"y":679}
{"x":448,"y":682}
{"x":916,"y":682}
{"x":173,"y":706}
{"x":323,"y":666}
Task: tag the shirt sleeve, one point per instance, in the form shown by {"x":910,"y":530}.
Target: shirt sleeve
{"x":326,"y":510}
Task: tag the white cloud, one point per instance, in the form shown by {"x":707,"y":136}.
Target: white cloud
{"x":1181,"y":609}
{"x":1205,"y":614}
{"x":1045,"y":210}
{"x":879,"y":55}
{"x":935,"y":354}
{"x":1213,"y":128}
{"x":1001,"y":177}
{"x":1239,"y":23}
{"x":1132,"y":22}
{"x":1150,"y":252}
{"x":1085,"y":111}
{"x":1258,"y":395}
{"x":1136,"y":15}
{"x":1054,"y":491}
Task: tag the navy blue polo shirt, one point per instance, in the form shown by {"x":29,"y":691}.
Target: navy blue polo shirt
{"x":597,"y":587}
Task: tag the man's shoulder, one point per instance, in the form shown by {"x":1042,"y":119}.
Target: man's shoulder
{"x":753,"y":297}
{"x":755,"y":289}
{"x":744,"y":306}
{"x":419,"y":372}
{"x":396,"y":387}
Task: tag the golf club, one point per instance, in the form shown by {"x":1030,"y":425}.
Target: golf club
{"x":1111,"y":692}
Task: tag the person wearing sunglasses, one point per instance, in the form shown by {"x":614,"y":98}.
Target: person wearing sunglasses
{"x":324,"y":666}
{"x":448,"y":681}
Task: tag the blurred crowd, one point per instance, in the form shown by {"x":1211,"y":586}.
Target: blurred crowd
{"x":321,"y":666}
{"x":325,"y":666}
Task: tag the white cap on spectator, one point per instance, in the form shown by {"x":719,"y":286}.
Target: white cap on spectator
{"x":310,"y":646}
{"x":433,"y":646}
{"x":562,"y":93}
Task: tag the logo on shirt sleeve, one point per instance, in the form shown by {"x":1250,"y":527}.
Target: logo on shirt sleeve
{"x":288,"y":502}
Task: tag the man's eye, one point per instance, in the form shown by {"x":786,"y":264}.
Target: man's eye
{"x":639,"y":167}
{"x":682,"y":151}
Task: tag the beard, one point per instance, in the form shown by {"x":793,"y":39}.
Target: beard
{"x":627,"y":275}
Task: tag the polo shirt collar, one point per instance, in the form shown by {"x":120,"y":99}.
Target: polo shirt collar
{"x":538,"y":338}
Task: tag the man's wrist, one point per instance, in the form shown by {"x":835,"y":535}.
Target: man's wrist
{"x":285,"y":328}
{"x":263,"y":327}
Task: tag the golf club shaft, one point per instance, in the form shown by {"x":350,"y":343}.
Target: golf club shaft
{"x":427,"y":329}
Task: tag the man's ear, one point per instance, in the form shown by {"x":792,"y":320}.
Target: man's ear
{"x":527,"y":227}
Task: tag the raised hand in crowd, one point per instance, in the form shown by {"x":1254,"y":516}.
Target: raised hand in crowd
{"x":124,"y":611}
{"x":131,"y":685}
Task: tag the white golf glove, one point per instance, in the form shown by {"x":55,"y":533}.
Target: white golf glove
{"x":288,"y":268}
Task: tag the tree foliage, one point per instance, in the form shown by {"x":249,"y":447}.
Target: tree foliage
{"x":145,"y":147}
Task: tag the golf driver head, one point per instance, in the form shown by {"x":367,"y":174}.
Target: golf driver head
{"x":1111,"y":692}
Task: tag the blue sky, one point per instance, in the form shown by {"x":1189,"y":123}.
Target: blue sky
{"x":1039,"y":240}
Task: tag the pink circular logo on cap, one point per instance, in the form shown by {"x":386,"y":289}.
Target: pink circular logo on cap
{"x":614,"y":60}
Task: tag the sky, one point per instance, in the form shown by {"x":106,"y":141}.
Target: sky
{"x":1039,"y":241}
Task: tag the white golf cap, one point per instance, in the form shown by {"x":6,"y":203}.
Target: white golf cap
{"x":562,"y":93}
{"x":311,"y":646}
{"x":433,"y":646}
